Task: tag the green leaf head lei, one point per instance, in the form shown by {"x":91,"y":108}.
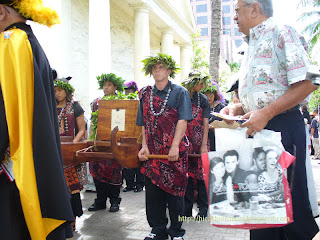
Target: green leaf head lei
{"x":164,"y":59}
{"x":209,"y":89}
{"x":117,"y":81}
{"x":64,"y":84}
{"x":194,"y":78}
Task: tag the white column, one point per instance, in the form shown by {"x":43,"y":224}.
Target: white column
{"x":176,"y":53}
{"x":56,"y":41}
{"x":141,"y":43}
{"x":167,"y":41}
{"x":66,"y":66}
{"x":99,"y":44}
{"x":185,"y":60}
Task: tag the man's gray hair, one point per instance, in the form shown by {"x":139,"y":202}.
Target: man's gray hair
{"x":265,"y":5}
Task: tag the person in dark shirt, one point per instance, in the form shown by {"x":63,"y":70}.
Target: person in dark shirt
{"x":163,"y":113}
{"x":305,"y":113}
{"x":197,"y":133}
{"x":107,"y":175}
{"x":70,"y":113}
{"x":234,"y":175}
{"x":71,"y":123}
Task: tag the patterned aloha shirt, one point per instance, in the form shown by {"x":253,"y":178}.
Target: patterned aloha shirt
{"x":277,"y":57}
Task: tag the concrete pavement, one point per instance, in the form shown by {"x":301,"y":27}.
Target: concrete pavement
{"x":130,"y":222}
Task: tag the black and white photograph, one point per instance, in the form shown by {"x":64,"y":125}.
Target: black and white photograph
{"x":246,"y":186}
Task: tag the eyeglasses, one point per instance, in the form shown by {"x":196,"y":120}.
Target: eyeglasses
{"x":238,"y":8}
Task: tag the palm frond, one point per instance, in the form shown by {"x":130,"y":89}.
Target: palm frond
{"x":304,"y":3}
{"x":311,"y":28}
{"x":308,"y":14}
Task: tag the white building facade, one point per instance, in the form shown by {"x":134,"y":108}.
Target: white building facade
{"x":103,"y":36}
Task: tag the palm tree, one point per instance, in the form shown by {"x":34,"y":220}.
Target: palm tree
{"x":313,"y":28}
{"x":215,"y":39}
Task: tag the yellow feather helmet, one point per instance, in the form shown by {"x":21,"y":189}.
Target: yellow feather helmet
{"x":35,"y":11}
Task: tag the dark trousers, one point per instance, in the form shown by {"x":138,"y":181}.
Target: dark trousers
{"x":134,"y":178}
{"x":157,"y":201}
{"x":291,"y":126}
{"x":212,"y":139}
{"x":312,"y":149}
{"x":202,"y":198}
{"x":104,"y":191}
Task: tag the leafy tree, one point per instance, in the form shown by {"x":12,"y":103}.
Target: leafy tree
{"x":234,"y":67}
{"x":199,"y":59}
{"x":313,"y":28}
{"x":315,"y":100}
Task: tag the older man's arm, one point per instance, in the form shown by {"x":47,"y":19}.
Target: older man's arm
{"x":296,"y":93}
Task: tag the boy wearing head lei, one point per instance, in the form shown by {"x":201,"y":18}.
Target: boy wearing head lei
{"x":34,"y":198}
{"x":107,"y":175}
{"x":163,"y":113}
{"x":197,"y":133}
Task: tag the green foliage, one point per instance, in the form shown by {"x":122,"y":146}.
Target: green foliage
{"x":94,"y":124}
{"x":315,"y":3}
{"x":111,"y":77}
{"x":64,"y":85}
{"x":224,"y":84}
{"x":223,"y":77}
{"x":312,"y":29}
{"x":234,"y":67}
{"x":315,"y":100}
{"x":94,"y":115}
{"x":209,"y":89}
{"x":164,"y":59}
{"x":199,"y":59}
{"x":194,"y":78}
{"x":132,"y":96}
{"x":121,"y":96}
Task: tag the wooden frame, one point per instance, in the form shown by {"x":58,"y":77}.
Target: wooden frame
{"x":104,"y":119}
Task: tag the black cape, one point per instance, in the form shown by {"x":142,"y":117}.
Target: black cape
{"x":29,"y":125}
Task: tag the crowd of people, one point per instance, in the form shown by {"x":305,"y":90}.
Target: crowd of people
{"x":40,"y":196}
